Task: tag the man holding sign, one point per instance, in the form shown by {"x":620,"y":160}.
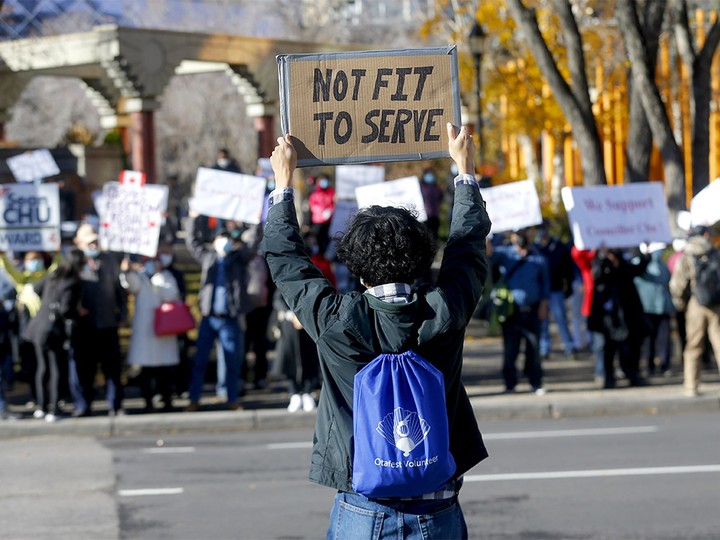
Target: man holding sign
{"x":388,"y":249}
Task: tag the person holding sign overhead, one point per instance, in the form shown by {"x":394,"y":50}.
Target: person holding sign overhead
{"x":388,"y":248}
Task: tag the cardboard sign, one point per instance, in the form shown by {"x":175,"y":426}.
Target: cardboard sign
{"x":705,"y":206}
{"x":34,"y":165}
{"x":617,"y":216}
{"x":29,"y":217}
{"x":131,"y":217}
{"x":349,"y":177}
{"x":226,"y":195}
{"x":512,"y":206}
{"x":370,"y":106}
{"x":402,"y":193}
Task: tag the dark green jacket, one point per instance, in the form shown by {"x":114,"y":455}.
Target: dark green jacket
{"x":352,"y":329}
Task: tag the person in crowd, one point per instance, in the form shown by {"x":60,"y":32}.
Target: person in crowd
{"x":653,"y":287}
{"x":525,"y":272}
{"x":223,"y":301}
{"x":701,"y":322}
{"x":617,"y":313}
{"x":432,"y":197}
{"x":388,"y":249}
{"x":258,"y":291}
{"x":562,"y":272}
{"x":103,"y":309}
{"x":584,"y":260}
{"x":322,"y":207}
{"x":225,"y":162}
{"x":296,"y":358}
{"x":157,"y":356}
{"x":50,"y":330}
{"x":581,"y":336}
{"x":678,"y":245}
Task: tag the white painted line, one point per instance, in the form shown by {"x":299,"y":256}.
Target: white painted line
{"x":642,"y":471}
{"x":169,"y":450}
{"x":289,"y":445}
{"x":152,"y":491}
{"x":569,"y":433}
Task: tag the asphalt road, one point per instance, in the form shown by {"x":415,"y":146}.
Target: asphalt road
{"x":641,"y":477}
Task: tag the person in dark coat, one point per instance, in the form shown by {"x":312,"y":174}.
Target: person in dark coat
{"x":50,"y":330}
{"x":617,"y":312}
{"x":388,"y":249}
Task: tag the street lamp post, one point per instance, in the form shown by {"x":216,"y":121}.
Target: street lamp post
{"x":476,"y":40}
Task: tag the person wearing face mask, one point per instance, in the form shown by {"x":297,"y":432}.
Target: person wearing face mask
{"x":322,"y":207}
{"x":224,"y":162}
{"x":103,"y":308}
{"x":223,"y":301}
{"x":432,"y":197}
{"x":157,"y":356}
{"x":526,"y":274}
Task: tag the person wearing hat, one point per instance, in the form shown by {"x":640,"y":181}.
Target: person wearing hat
{"x":701,"y":321}
{"x":223,"y":300}
{"x":102,"y":309}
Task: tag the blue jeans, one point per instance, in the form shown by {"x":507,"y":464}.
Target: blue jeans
{"x":559,"y":314}
{"x":227,"y":330}
{"x":355,"y":517}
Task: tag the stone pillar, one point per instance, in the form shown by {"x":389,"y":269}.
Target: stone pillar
{"x":142,"y":135}
{"x":265,"y":128}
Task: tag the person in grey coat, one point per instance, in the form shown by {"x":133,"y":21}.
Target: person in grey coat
{"x":389,"y":250}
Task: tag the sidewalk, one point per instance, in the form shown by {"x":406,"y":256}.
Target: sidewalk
{"x":572,"y":392}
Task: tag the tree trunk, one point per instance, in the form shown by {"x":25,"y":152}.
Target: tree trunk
{"x":639,"y":143}
{"x":575,"y":104}
{"x":658,"y":120}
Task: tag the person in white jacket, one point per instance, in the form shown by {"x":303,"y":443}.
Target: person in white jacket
{"x":157,"y":356}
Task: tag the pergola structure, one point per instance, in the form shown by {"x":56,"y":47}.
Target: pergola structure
{"x":126,"y":70}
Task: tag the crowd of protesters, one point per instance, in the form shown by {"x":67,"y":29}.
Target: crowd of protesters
{"x":60,"y":320}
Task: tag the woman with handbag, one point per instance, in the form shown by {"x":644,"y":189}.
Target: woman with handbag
{"x":157,"y":355}
{"x":49,"y":331}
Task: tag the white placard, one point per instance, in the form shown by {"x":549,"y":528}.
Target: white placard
{"x":349,"y":177}
{"x":34,"y":165}
{"x":403,"y":193}
{"x":512,"y":206}
{"x":131,"y":217}
{"x":227,"y":195}
{"x":617,"y":216}
{"x":132,"y":178}
{"x":705,"y":205}
{"x":29,"y":217}
{"x":344,"y":212}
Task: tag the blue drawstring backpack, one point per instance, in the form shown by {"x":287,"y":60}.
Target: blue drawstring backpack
{"x":400,"y":426}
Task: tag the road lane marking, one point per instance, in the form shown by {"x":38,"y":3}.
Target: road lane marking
{"x":598,"y":473}
{"x":169,"y":450}
{"x":570,"y":433}
{"x":633,"y":430}
{"x":150,"y":491}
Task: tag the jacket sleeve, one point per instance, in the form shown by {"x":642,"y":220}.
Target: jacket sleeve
{"x":194,"y":244}
{"x":464,"y":265}
{"x":680,"y":283}
{"x":307,"y":292}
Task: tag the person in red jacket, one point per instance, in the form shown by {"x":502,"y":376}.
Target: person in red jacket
{"x":583,"y":259}
{"x":322,"y":207}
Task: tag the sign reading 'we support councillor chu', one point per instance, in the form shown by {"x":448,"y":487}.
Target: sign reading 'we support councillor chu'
{"x":370,"y":106}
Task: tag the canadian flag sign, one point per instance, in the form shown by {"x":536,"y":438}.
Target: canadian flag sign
{"x":131,"y":217}
{"x":132,"y":178}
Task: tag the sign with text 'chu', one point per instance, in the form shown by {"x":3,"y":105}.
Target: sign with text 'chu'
{"x":617,"y":216}
{"x":369,"y":106}
{"x":29,"y":217}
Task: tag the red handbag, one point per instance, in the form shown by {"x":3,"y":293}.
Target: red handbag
{"x":172,"y":318}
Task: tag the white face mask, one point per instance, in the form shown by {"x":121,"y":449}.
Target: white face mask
{"x":223,"y":162}
{"x":221,"y":245}
{"x":165,"y":259}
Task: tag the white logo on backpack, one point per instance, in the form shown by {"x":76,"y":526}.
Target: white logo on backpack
{"x":403,"y":429}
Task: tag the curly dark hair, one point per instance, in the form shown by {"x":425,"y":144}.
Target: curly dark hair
{"x":387,"y":245}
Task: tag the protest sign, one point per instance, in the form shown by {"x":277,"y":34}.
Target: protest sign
{"x":34,"y":165}
{"x":132,"y":178}
{"x":131,"y":217}
{"x":369,"y":106}
{"x":617,"y":216}
{"x":705,"y":205}
{"x":349,"y":177}
{"x":403,"y":192}
{"x":344,"y":212}
{"x":29,"y":217}
{"x":227,"y":195}
{"x":512,"y":206}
